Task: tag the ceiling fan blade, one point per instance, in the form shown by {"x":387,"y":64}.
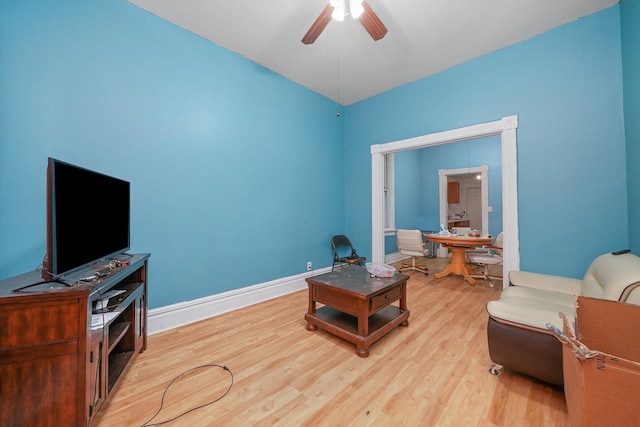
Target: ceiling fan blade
{"x":372,"y":23}
{"x":320,"y":23}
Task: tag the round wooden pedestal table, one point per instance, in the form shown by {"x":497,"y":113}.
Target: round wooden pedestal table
{"x":458,"y":246}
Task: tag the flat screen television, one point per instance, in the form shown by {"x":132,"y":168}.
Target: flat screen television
{"x":87,"y":218}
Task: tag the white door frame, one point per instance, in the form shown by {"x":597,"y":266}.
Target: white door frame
{"x":506,"y":128}
{"x":484,"y":192}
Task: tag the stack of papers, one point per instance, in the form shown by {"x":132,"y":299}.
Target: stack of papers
{"x":112,"y":293}
{"x":98,"y":320}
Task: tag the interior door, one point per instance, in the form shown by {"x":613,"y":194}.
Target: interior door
{"x":474,"y":207}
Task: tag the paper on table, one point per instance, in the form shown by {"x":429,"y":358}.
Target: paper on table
{"x":112,"y":293}
{"x":98,"y":320}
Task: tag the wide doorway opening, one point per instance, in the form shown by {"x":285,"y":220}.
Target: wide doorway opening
{"x":506,"y":129}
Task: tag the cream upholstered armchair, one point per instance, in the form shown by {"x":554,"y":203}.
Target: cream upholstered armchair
{"x":517,"y":332}
{"x":410,"y":243}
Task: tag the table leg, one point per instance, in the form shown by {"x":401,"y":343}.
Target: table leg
{"x":403,"y":302}
{"x":457,"y":264}
{"x":363,"y":328}
{"x":363,"y":318}
{"x":312,"y":308}
{"x":362,"y":351}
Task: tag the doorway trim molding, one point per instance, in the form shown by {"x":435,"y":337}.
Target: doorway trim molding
{"x":506,"y":128}
{"x":444,"y":174}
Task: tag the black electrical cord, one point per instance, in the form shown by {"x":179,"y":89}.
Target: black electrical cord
{"x":57,"y":278}
{"x":148,"y":422}
{"x":29,"y":286}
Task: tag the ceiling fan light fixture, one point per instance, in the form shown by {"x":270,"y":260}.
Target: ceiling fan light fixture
{"x":355,"y":8}
{"x":339,"y":10}
{"x":339,"y":13}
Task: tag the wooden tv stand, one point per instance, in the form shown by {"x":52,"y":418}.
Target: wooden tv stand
{"x":56,"y":368}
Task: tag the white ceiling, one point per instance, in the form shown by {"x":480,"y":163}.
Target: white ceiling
{"x":345,"y":64}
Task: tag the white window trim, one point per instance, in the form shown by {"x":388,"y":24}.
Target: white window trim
{"x":389,"y":195}
{"x":483,"y":170}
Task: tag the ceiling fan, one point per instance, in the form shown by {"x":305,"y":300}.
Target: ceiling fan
{"x":338,"y":9}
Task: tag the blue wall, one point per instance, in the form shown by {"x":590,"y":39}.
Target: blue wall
{"x":408,"y":173}
{"x":231,"y":163}
{"x":566,"y":87}
{"x":236,"y":171}
{"x":630,"y":23}
{"x":407,"y":195}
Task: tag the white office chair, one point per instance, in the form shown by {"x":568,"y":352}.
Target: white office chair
{"x":410,"y":243}
{"x":486,"y":256}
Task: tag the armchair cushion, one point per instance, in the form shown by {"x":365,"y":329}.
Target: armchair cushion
{"x":532,"y":312}
{"x":611,"y":277}
{"x":548,"y":282}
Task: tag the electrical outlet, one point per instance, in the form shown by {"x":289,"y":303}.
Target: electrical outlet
{"x":309,"y":266}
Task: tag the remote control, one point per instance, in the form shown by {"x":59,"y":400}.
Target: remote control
{"x":623,"y":251}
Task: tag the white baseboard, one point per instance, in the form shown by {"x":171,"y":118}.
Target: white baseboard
{"x":171,"y":316}
{"x":395,"y":257}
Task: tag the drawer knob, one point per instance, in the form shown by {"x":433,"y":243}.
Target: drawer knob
{"x":387,"y":297}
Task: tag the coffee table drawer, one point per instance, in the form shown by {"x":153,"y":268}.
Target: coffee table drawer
{"x":339,"y":301}
{"x":383,"y":300}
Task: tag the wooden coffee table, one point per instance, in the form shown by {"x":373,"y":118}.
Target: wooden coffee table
{"x":357,"y":307}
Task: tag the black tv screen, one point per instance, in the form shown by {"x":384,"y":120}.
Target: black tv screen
{"x":87,"y":217}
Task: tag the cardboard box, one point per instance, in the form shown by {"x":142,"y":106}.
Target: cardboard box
{"x":602,"y":387}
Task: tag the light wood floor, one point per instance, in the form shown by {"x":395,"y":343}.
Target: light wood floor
{"x":432,"y":373}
